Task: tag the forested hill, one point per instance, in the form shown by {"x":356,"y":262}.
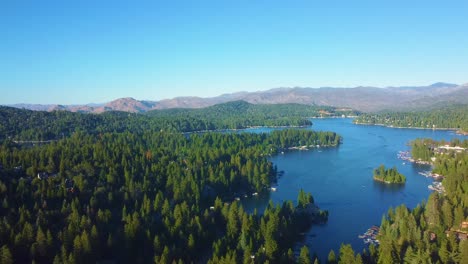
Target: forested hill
{"x":240,"y":114}
{"x":454,"y":117}
{"x":156,"y":197}
{"x":20,"y":124}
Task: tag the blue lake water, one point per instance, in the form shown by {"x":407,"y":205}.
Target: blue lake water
{"x":340,"y":180}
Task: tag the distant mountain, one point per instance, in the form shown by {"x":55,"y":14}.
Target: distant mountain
{"x":367,"y":99}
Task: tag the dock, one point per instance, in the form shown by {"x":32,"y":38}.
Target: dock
{"x":370,"y":236}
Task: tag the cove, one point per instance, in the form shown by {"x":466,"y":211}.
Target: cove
{"x":340,"y":180}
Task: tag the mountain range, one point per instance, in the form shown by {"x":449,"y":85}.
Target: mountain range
{"x":366,"y":99}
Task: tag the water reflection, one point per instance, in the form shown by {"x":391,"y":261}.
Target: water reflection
{"x":388,"y":188}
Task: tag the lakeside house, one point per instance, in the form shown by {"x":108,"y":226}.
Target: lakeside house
{"x":460,"y":234}
{"x":45,"y":175}
{"x":445,"y":148}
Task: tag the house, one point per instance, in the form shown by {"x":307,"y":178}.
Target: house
{"x":45,"y":175}
{"x":459,"y":235}
{"x":42,"y":175}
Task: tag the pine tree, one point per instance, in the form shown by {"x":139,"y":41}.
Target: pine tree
{"x":443,"y":252}
{"x":433,"y":210}
{"x":463,"y":251}
{"x":346,"y":254}
{"x":304,"y":256}
{"x":41,"y":242}
{"x":5,"y":254}
{"x":331,"y":257}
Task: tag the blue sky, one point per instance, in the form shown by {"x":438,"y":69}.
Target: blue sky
{"x":73,"y":52}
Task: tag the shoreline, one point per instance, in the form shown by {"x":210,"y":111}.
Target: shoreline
{"x":310,"y":147}
{"x":457,"y":130}
{"x":326,"y":117}
{"x":240,"y":129}
{"x":386,"y":182}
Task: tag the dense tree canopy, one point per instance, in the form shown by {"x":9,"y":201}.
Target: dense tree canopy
{"x":132,"y":188}
{"x":453,"y":117}
{"x":388,"y":175}
{"x":147,"y":197}
{"x":19,"y":124}
{"x":433,"y":231}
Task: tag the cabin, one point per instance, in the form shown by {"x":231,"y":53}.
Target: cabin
{"x":45,"y":175}
{"x":42,"y":175}
{"x":459,"y":235}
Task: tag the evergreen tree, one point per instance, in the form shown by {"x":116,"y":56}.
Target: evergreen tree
{"x":5,"y":255}
{"x":304,"y":256}
{"x":346,"y":254}
{"x":331,"y":257}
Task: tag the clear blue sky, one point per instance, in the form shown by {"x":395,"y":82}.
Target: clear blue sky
{"x":72,"y":52}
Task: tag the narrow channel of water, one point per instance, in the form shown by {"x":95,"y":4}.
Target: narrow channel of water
{"x":340,"y":179}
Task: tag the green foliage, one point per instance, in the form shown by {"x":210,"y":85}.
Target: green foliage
{"x":347,"y":255}
{"x":453,"y":117}
{"x":240,"y":114}
{"x":422,"y":149}
{"x":388,"y":175}
{"x":304,"y":257}
{"x":331,"y":257}
{"x":20,"y":124}
{"x":143,"y":197}
{"x":428,"y":233}
{"x":5,"y":255}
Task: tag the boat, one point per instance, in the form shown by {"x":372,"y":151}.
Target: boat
{"x":370,"y":236}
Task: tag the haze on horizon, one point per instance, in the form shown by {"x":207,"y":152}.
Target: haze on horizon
{"x":61,"y":52}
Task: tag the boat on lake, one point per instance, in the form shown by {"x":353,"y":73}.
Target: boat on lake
{"x":370,"y":236}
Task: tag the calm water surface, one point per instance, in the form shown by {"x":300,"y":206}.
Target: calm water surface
{"x":340,"y":180}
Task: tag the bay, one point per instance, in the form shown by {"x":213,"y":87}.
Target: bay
{"x":340,"y":180}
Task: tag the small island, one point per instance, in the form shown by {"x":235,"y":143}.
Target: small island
{"x":389,"y":176}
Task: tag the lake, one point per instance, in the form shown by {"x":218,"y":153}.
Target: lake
{"x":340,"y":180}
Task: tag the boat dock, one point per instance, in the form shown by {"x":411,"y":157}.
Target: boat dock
{"x":370,"y":236}
{"x":404,"y":155}
{"x":436,"y":186}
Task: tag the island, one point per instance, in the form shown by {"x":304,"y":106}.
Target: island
{"x":388,"y":176}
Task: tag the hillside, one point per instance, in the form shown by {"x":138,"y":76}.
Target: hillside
{"x":366,"y":99}
{"x":22,"y":124}
{"x":453,"y":117}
